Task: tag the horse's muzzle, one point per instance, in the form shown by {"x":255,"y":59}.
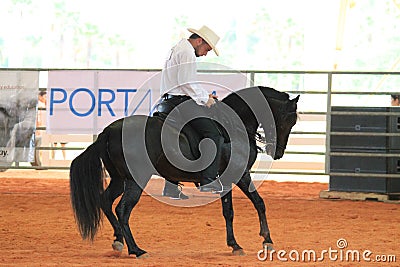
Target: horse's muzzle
{"x":275,"y":153}
{"x":278,"y":153}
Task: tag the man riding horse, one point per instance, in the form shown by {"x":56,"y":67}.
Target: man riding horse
{"x":178,"y":85}
{"x":132,"y":149}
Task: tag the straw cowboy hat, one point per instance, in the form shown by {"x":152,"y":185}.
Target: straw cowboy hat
{"x":208,"y":35}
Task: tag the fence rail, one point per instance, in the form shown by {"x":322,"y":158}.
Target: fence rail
{"x":308,"y":149}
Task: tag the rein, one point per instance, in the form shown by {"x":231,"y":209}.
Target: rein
{"x":261,"y":139}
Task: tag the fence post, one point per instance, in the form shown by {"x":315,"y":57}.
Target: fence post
{"x":328,"y":123}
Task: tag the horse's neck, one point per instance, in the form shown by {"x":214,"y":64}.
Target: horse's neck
{"x":276,"y":106}
{"x":244,"y":112}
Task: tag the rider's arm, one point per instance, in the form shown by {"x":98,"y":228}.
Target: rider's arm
{"x":188,"y":80}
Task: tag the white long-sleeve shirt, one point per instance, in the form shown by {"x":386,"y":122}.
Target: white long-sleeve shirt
{"x":179,"y":76}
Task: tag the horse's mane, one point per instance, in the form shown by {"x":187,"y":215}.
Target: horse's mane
{"x":245,"y":113}
{"x":270,"y":93}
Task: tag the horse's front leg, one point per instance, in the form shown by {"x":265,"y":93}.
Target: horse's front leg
{"x":227,"y":211}
{"x":248,"y":188}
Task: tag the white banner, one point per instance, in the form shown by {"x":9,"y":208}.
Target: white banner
{"x":85,"y":102}
{"x":18,"y":105}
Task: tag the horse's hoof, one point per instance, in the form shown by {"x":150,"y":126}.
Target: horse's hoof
{"x":238,"y":252}
{"x":117,"y":246}
{"x":143,"y":256}
{"x":268,"y":246}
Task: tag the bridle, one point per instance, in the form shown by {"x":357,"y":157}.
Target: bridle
{"x":276,"y":144}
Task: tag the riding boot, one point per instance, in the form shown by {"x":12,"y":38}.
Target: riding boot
{"x":172,"y":190}
{"x":208,"y":184}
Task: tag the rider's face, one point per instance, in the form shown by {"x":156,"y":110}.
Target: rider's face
{"x":202,"y":49}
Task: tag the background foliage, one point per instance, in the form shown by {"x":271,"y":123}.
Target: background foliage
{"x":264,"y":35}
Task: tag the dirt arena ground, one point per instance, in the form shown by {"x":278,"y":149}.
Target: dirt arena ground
{"x":37,"y":228}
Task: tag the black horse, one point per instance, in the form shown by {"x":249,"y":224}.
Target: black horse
{"x":124,"y":153}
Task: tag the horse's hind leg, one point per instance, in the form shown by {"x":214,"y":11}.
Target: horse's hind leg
{"x":124,"y":208}
{"x":114,"y":190}
{"x":246,"y":185}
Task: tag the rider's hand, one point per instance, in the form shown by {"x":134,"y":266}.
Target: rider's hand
{"x":213,"y":96}
{"x":210,"y":102}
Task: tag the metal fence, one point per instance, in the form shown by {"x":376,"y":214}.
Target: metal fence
{"x":308,"y":150}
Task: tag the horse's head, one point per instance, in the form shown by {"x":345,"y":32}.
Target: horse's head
{"x":283,"y":109}
{"x":285,"y":115}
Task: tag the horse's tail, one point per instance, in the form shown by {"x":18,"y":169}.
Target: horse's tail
{"x":86,"y":184}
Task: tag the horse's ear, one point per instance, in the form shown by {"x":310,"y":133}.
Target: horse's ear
{"x":296,"y":99}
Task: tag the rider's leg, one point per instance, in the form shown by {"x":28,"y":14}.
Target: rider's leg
{"x":208,"y":129}
{"x":198,"y":119}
